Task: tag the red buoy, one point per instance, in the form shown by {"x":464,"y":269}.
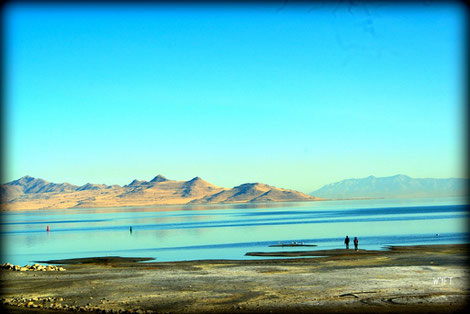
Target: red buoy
{"x":47,"y":228}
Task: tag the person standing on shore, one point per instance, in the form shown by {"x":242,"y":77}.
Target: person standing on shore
{"x":346,"y":241}
{"x":356,"y":243}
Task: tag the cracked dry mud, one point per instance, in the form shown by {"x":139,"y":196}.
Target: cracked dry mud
{"x":428,"y":279}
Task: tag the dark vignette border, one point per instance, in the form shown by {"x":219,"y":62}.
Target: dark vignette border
{"x":280,"y":4}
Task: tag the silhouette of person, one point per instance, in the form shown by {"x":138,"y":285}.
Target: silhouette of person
{"x":356,"y":243}
{"x":130,"y":229}
{"x":346,"y":241}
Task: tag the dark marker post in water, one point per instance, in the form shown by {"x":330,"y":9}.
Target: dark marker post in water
{"x":130,"y":229}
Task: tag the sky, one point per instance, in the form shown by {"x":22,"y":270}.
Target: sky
{"x":294,"y":96}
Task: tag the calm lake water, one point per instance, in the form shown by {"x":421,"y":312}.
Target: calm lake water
{"x":175,"y":233}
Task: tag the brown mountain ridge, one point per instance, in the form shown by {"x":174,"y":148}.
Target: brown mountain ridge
{"x":34,"y":193}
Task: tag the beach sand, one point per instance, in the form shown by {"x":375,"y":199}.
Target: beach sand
{"x":421,"y":279}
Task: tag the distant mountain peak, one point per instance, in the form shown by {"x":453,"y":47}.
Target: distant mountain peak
{"x":26,"y":180}
{"x":159,"y":178}
{"x":400,"y":176}
{"x":252,"y":185}
{"x":136,"y":182}
{"x":197,"y":187}
{"x":28,"y":184}
{"x":197,"y":181}
{"x":91,"y":186}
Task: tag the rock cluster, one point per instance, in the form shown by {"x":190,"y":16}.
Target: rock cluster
{"x":57,"y":303}
{"x":35,"y":302}
{"x":35,"y":267}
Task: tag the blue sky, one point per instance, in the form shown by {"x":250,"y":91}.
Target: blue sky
{"x":292,"y":96}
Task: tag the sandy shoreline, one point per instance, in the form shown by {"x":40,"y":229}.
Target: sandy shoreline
{"x":430,"y":278}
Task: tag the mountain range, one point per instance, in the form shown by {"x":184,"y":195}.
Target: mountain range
{"x":35,"y":193}
{"x":398,"y":186}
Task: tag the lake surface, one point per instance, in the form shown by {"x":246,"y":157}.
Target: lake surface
{"x":175,"y":233}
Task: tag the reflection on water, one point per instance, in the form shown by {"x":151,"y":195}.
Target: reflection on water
{"x":228,"y":231}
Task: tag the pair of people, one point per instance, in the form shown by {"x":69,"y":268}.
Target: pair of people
{"x":356,"y":242}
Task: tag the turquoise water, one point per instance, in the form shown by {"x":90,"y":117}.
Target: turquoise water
{"x":174,"y":233}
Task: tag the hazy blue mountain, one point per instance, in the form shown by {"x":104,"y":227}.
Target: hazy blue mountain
{"x":394,"y":186}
